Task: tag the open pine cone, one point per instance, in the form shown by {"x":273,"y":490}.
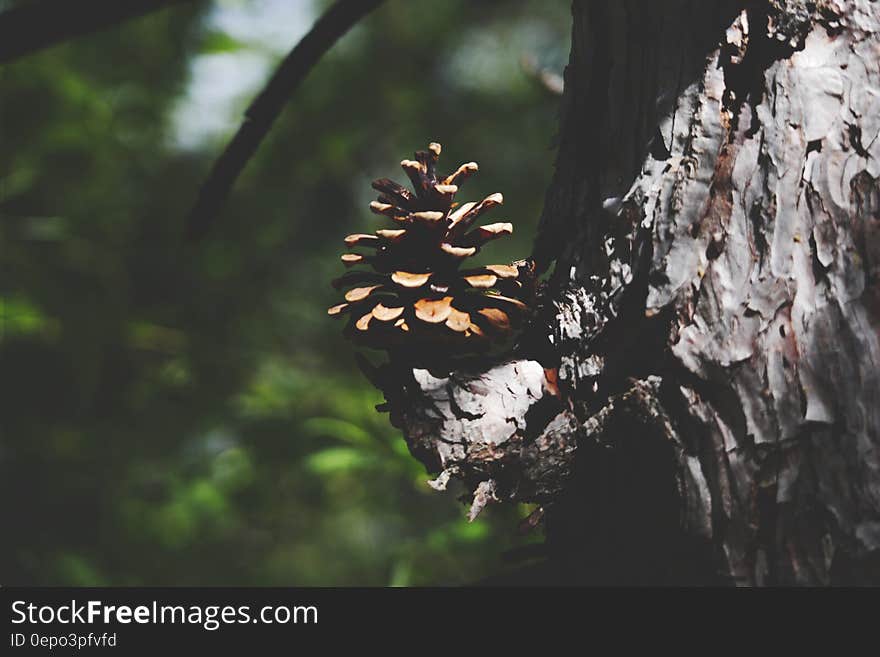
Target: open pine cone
{"x":415,"y":293}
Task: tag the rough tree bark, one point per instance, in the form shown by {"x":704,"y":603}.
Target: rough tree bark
{"x":710,"y":406}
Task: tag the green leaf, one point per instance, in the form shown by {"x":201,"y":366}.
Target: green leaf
{"x":338,"y":459}
{"x":20,"y":317}
{"x":215,"y":43}
{"x":341,"y":430}
{"x":78,"y":570}
{"x":233,"y":469}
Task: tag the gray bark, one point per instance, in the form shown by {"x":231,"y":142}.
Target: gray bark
{"x":710,"y":408}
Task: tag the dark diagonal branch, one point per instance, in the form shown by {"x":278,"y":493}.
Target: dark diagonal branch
{"x":260,"y":116}
{"x":44,"y":23}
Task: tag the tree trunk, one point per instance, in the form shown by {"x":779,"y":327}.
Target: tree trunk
{"x":701,"y":402}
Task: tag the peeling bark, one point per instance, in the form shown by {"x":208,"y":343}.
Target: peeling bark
{"x":500,"y":430}
{"x":710,"y":408}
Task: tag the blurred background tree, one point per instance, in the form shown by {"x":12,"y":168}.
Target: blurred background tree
{"x":179,"y":414}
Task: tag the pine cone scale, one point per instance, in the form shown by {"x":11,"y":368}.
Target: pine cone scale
{"x":415,"y":292}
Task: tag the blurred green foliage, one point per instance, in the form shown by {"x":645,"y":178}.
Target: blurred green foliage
{"x":187,"y":414}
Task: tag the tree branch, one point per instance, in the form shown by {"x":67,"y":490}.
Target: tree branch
{"x":260,"y":116}
{"x":44,"y":23}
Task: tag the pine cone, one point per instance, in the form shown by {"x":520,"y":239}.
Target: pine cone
{"x":416,"y":294}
